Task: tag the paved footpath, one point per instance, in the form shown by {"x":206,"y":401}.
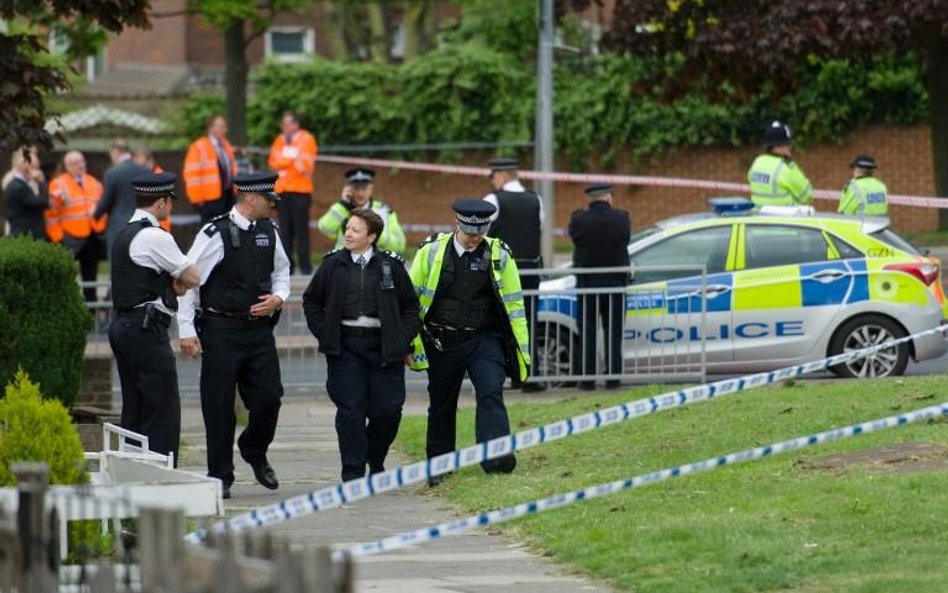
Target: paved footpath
{"x":306,"y":458}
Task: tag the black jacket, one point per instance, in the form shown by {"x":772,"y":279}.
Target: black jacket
{"x":325,"y":297}
{"x":600,"y":235}
{"x":118,"y":197}
{"x":25,"y":208}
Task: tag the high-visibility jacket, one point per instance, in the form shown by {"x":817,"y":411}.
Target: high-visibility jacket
{"x":202,"y":174}
{"x":333,"y":225}
{"x":294,"y":162}
{"x":70,"y":208}
{"x":425,"y":273}
{"x":865,"y":195}
{"x":778,"y":181}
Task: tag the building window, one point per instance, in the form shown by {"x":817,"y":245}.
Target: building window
{"x":290,"y":44}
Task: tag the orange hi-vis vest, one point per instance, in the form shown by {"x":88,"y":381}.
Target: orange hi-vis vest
{"x":202,"y":176}
{"x":166,"y":223}
{"x":294,"y":162}
{"x":70,"y":208}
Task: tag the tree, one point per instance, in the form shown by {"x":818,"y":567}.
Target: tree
{"x":30,"y":73}
{"x":721,"y":44}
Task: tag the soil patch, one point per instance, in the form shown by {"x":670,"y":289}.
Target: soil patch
{"x":901,"y":458}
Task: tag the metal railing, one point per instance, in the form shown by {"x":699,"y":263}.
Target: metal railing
{"x":663,"y":335}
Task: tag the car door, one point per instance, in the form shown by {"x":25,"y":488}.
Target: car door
{"x":789,"y":287}
{"x":664,"y":319}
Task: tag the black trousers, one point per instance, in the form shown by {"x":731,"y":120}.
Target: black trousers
{"x":369,"y":397}
{"x":482,"y":358}
{"x":151,"y":404}
{"x":609,"y":310}
{"x":214,"y":208}
{"x":238,"y":355}
{"x":294,"y":228}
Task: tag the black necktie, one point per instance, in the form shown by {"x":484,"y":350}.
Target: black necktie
{"x":251,"y":226}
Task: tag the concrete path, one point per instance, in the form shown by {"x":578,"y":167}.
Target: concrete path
{"x":306,"y":458}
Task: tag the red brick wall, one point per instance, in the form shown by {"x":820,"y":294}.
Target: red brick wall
{"x":163,"y":45}
{"x":903,"y":154}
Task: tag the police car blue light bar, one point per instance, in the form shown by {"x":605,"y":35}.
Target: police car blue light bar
{"x":731,"y":206}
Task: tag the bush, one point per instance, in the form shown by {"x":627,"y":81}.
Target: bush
{"x":37,"y":430}
{"x":43,"y":320}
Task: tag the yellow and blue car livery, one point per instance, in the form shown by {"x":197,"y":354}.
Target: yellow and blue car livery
{"x":781,"y":288}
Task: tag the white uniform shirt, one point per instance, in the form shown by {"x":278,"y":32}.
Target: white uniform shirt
{"x":515,"y":186}
{"x":207,"y":252}
{"x":154,"y":248}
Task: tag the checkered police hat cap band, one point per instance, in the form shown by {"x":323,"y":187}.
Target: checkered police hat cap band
{"x":154,"y":189}
{"x":256,"y":187}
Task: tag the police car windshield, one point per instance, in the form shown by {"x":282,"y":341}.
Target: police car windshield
{"x":892,"y":240}
{"x":646,"y":232}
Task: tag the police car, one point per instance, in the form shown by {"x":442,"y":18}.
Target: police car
{"x":782,"y":286}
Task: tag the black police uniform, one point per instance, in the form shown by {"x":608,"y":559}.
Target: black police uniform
{"x":366,"y":378}
{"x":600,"y":236}
{"x":138,"y":336}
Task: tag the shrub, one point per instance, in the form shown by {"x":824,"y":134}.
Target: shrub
{"x":43,"y":321}
{"x":34,"y":429}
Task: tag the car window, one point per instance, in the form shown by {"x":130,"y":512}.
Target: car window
{"x":845,"y":250}
{"x":704,"y":247}
{"x":892,"y":240}
{"x":777,"y":245}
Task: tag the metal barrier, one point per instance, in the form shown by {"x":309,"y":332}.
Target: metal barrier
{"x":663,"y":336}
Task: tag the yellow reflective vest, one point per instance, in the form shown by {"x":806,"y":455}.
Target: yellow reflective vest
{"x":865,"y":195}
{"x":333,"y":225}
{"x":425,"y":273}
{"x":778,"y":181}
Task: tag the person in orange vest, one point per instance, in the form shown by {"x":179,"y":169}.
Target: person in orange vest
{"x":293,"y":156}
{"x":209,"y":171}
{"x":146,"y":159}
{"x":73,"y":196}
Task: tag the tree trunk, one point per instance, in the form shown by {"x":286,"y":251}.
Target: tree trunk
{"x":413,"y":21}
{"x":336,"y":31}
{"x":235,"y":81}
{"x":379,"y":43}
{"x":937,"y":65}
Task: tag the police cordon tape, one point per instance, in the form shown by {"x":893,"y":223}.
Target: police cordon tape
{"x":346,"y":492}
{"x":740,"y":188}
{"x":411,"y":538}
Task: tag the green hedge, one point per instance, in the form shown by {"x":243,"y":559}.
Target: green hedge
{"x":473,"y":93}
{"x":43,"y":320}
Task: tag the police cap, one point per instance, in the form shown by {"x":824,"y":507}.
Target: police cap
{"x":473,"y":215}
{"x":360,"y":175}
{"x":777,"y":134}
{"x":505,"y":164}
{"x":597,"y":190}
{"x":863,"y":160}
{"x":257,"y":183}
{"x":155,"y":184}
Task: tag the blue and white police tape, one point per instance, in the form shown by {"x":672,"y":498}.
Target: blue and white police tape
{"x":411,"y":538}
{"x":345,"y":492}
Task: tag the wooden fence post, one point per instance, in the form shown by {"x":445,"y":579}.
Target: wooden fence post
{"x":36,"y":574}
{"x":161,"y":546}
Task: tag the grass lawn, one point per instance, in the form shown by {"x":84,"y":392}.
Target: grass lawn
{"x":847,"y":516}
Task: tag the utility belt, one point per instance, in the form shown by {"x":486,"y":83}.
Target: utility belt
{"x":224,"y":318}
{"x":149,"y":314}
{"x":439,"y":335}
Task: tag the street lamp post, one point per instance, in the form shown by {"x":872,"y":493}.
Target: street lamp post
{"x":543,"y":134}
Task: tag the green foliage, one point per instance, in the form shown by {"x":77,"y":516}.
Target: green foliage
{"x":33,"y":429}
{"x":43,"y":320}
{"x":87,"y":540}
{"x":473,"y":92}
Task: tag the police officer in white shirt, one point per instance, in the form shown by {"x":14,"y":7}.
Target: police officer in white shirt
{"x":148,"y":272}
{"x":245,"y":279}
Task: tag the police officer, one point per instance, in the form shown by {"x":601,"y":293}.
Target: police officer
{"x":473,"y":321}
{"x":600,"y":237}
{"x":517,"y":223}
{"x":362,"y":308}
{"x":358,"y":193}
{"x":148,"y":272}
{"x":864,"y":194}
{"x":774,"y":178}
{"x":245,"y":279}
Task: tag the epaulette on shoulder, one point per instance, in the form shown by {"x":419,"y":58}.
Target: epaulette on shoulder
{"x":429,"y":239}
{"x":332,"y":252}
{"x":394,"y":256}
{"x":505,"y":247}
{"x":210,"y":229}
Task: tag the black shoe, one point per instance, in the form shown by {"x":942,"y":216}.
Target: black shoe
{"x":533,"y":387}
{"x":225,"y":492}
{"x":265,"y":475}
{"x":501,"y":465}
{"x":587,"y":386}
{"x":435,"y":480}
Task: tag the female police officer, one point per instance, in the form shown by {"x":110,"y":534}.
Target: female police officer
{"x":363,"y":310}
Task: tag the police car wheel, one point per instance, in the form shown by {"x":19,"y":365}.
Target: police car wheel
{"x":869,"y":330}
{"x":556,"y":351}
